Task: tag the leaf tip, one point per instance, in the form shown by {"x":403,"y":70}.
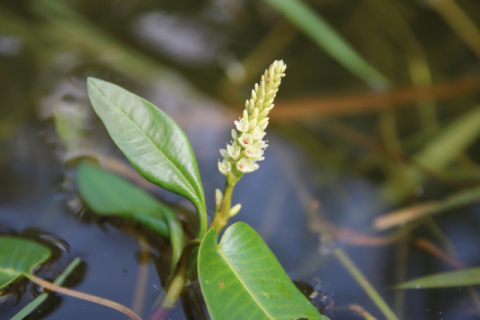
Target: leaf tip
{"x":93,"y":83}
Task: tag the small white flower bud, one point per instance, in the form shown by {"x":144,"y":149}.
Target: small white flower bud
{"x":224,"y":153}
{"x":245,"y":140}
{"x":254,"y":152}
{"x":242,"y":125}
{"x":234,"y":210}
{"x":218,"y":197}
{"x":246,"y":165}
{"x":258,"y":133}
{"x":234,"y":151}
{"x":234,"y":135}
{"x":254,"y":114}
{"x":251,"y":105}
{"x":253,"y":124}
{"x":267,"y":104}
{"x":245,"y":115}
{"x":261,"y":95}
{"x":254,"y":95}
{"x":263,"y":114}
{"x":224,"y":167}
{"x":270,"y":94}
{"x":261,"y":144}
{"x":259,"y":105}
{"x":262,"y":122}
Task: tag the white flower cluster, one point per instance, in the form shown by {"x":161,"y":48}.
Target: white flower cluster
{"x":247,"y":145}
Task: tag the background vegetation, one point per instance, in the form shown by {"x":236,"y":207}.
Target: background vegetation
{"x":375,"y":131}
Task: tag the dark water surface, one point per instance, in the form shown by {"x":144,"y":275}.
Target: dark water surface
{"x":194,"y":60}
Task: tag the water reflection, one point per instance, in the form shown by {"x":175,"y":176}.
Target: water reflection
{"x":178,"y":54}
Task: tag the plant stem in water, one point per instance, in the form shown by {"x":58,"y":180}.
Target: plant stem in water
{"x":84,"y":296}
{"x":176,"y":286}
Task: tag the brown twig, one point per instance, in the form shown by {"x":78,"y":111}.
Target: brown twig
{"x":316,"y":107}
{"x":80,"y":295}
{"x":361,"y":312}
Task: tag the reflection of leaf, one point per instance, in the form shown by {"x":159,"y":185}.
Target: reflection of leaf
{"x":242,"y":279}
{"x":18,"y":257}
{"x":108,"y":194}
{"x":70,"y":123}
{"x":155,"y":145}
{"x":467,"y":277}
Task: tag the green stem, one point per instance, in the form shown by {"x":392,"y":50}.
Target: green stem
{"x":202,"y":221}
{"x":175,"y":288}
{"x":365,"y":284}
{"x":80,"y":295}
{"x":41,"y":298}
{"x":306,"y":199}
{"x":223,"y":214}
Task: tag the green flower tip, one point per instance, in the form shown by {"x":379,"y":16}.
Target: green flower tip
{"x":247,"y":145}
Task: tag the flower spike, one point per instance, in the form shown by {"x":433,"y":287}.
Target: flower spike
{"x":247,"y":146}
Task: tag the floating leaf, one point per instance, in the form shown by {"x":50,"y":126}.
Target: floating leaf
{"x":108,"y":194}
{"x":461,"y":278}
{"x":241,"y":279}
{"x":18,"y":257}
{"x":155,"y":145}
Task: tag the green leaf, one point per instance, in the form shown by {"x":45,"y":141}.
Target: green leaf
{"x":467,"y":277}
{"x":155,"y":145}
{"x":108,"y":194}
{"x":441,"y":151}
{"x":327,"y":38}
{"x":18,"y":257}
{"x":241,"y":279}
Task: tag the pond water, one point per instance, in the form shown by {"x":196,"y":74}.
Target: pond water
{"x":198,"y":62}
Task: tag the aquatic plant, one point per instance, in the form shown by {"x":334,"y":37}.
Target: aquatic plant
{"x":240,"y":275}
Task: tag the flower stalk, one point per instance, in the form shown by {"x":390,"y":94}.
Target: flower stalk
{"x":247,"y":147}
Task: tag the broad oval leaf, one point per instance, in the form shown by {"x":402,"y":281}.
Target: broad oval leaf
{"x":18,"y":257}
{"x":461,"y":278}
{"x":241,"y":278}
{"x":155,"y":145}
{"x":109,"y":194}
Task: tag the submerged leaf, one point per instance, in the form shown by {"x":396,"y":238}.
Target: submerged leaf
{"x":241,"y":279}
{"x":18,"y":257}
{"x":108,"y":194}
{"x":461,"y":278}
{"x":155,"y":145}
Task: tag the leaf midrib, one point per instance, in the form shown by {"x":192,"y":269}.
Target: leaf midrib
{"x":244,"y":284}
{"x":10,"y":271}
{"x":147,"y":137}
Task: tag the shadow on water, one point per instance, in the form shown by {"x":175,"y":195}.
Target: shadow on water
{"x":192,"y":60}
